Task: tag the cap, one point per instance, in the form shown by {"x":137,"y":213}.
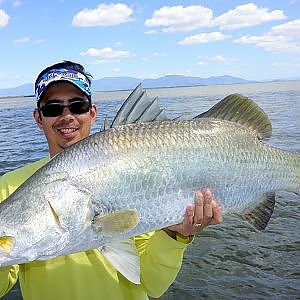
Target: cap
{"x":76,"y":78}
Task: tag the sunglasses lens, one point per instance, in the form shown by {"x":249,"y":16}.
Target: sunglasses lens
{"x":52,"y":110}
{"x":79,"y":107}
{"x":55,"y":109}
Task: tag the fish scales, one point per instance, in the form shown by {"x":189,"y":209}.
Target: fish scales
{"x":158,"y":166}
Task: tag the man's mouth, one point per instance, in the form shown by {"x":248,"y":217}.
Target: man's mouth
{"x":66,"y":130}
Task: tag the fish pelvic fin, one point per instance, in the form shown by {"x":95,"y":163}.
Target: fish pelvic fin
{"x":6,"y":243}
{"x":242,"y":110}
{"x":123,"y":256}
{"x":260,"y":215}
{"x":116,"y":222}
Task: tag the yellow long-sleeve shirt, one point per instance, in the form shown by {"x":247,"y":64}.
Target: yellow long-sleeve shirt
{"x":88,"y":275}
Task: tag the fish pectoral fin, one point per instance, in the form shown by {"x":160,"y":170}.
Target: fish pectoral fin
{"x":6,"y":243}
{"x":123,"y":256}
{"x":260,"y":215}
{"x":55,"y":215}
{"x":116,"y":222}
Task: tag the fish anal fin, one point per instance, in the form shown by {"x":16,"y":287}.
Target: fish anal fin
{"x":6,"y":243}
{"x":240,"y":109}
{"x":260,"y":215}
{"x":124,"y":257}
{"x":116,"y":222}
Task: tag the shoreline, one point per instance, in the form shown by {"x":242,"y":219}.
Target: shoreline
{"x":20,"y":101}
{"x":167,"y":87}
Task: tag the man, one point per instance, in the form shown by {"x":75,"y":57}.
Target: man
{"x":65,"y":113}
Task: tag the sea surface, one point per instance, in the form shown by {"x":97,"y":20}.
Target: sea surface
{"x":227,"y":261}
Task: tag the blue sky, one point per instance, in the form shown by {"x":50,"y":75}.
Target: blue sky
{"x":257,"y":40}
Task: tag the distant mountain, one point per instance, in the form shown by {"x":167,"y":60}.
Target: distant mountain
{"x":127,"y":83}
{"x":22,"y":90}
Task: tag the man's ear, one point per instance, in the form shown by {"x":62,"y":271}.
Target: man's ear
{"x":37,"y":118}
{"x":93,"y":113}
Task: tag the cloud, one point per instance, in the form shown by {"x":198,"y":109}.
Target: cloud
{"x":179,"y":18}
{"x":203,"y":38}
{"x":218,"y":58}
{"x":103,"y":15}
{"x":107,"y":52}
{"x":17,"y":3}
{"x":26,"y":39}
{"x":152,"y":31}
{"x":283,"y":38}
{"x":247,"y":15}
{"x":189,"y":18}
{"x":4,"y":18}
{"x":291,"y":29}
{"x":22,"y":40}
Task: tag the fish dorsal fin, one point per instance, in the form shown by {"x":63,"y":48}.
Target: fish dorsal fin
{"x":242,"y":110}
{"x":116,"y":222}
{"x":260,"y":215}
{"x":124,"y":257}
{"x":138,"y":107}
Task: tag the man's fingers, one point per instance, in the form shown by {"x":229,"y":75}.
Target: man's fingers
{"x":189,"y":215}
{"x":198,"y":214}
{"x":217,"y":214}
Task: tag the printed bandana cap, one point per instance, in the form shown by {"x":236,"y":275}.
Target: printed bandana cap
{"x":74,"y":77}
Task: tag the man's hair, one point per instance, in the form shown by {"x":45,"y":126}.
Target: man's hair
{"x":66,"y":64}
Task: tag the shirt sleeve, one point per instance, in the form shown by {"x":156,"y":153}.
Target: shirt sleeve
{"x":8,"y":275}
{"x":161,"y":259}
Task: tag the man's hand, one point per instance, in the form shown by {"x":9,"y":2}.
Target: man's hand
{"x":205,"y":211}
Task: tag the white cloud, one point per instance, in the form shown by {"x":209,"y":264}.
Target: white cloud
{"x":283,"y":38}
{"x":103,"y":15}
{"x":218,"y":58}
{"x":201,"y":63}
{"x":247,"y":15}
{"x":179,"y":18}
{"x":22,"y":40}
{"x":271,"y":43}
{"x":26,"y":39}
{"x":291,"y":29}
{"x":150,"y":31}
{"x":17,"y":3}
{"x":157,"y":54}
{"x":203,"y":38}
{"x":4,"y":18}
{"x":107,"y":52}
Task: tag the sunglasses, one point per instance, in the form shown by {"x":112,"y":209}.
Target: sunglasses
{"x":76,"y":106}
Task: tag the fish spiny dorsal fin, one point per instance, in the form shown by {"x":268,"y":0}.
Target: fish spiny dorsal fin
{"x":138,"y":107}
{"x":261,"y":214}
{"x":242,"y":110}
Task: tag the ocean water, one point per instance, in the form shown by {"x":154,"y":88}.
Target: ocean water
{"x":228,"y":261}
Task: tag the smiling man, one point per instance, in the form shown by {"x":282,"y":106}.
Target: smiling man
{"x":65,"y":113}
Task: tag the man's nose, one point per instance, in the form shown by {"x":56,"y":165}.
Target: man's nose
{"x":66,"y":111}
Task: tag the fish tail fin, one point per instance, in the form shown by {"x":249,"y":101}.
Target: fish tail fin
{"x":259,"y":216}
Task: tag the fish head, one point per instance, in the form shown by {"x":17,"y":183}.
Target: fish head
{"x":38,"y":223}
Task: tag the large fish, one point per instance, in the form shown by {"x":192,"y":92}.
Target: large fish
{"x":136,"y":178}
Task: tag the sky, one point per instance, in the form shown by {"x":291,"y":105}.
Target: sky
{"x":254,"y":40}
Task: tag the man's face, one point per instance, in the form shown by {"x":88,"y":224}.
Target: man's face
{"x":67,"y":128}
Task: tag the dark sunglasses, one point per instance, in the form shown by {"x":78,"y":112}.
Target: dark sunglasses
{"x":76,"y":106}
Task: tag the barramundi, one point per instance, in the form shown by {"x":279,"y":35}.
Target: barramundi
{"x":139,"y":177}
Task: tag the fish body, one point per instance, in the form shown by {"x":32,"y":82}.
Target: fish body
{"x":137,"y":178}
